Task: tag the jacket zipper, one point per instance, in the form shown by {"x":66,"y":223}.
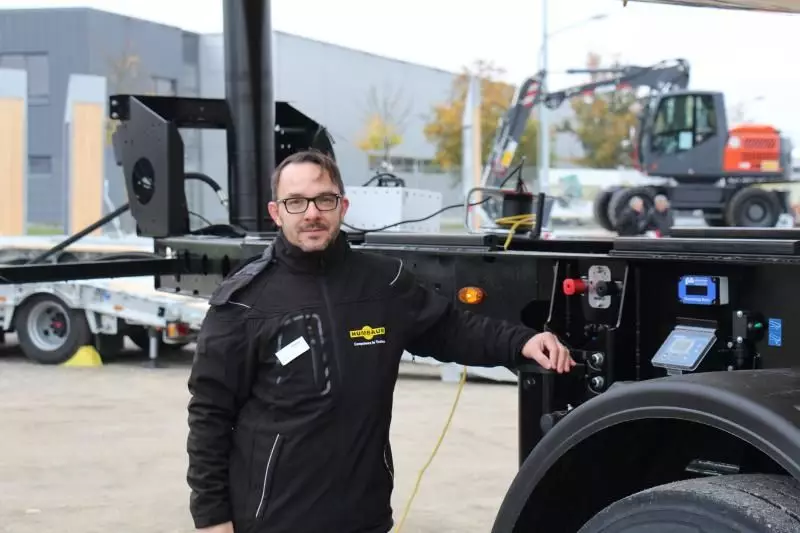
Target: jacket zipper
{"x":334,"y":331}
{"x":266,"y":476}
{"x":314,"y":348}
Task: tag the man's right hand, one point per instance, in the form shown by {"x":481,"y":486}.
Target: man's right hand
{"x":227,"y":527}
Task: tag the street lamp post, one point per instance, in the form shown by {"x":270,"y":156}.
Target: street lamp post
{"x":544,"y":122}
{"x":544,"y":119}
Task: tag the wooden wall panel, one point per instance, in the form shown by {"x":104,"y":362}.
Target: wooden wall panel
{"x":13,"y":159}
{"x":86,"y":161}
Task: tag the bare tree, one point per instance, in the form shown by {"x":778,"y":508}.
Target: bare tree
{"x":386,"y":119}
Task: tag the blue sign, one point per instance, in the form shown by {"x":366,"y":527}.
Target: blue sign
{"x":775,"y":332}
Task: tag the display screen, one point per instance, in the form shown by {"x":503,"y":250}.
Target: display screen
{"x":696,"y":290}
{"x":681,"y":345}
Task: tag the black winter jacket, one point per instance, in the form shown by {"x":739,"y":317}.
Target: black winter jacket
{"x":303,"y":447}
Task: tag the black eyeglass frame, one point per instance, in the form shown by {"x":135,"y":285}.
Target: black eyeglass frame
{"x":308,"y":201}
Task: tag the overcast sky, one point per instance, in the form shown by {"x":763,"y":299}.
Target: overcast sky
{"x":749,"y":56}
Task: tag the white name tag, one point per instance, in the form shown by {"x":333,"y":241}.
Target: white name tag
{"x":292,"y":351}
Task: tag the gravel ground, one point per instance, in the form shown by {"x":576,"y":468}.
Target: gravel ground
{"x":103,"y":449}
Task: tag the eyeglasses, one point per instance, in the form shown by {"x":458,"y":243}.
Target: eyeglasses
{"x":323,"y":202}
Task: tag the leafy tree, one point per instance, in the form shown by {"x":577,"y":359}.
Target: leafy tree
{"x":444,"y":128}
{"x":603,"y":123}
{"x":124,"y":76}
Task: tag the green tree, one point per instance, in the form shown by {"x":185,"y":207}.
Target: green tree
{"x":444,"y":127}
{"x":603,"y":123}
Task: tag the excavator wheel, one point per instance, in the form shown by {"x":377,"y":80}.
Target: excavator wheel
{"x":619,"y":201}
{"x":600,"y":209}
{"x":753,"y":207}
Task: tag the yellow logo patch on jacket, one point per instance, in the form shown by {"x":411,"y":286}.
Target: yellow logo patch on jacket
{"x":369,"y":334}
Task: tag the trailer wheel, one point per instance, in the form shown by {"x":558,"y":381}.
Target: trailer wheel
{"x":752,"y":503}
{"x":49,"y":331}
{"x":753,"y":207}
{"x":600,"y":209}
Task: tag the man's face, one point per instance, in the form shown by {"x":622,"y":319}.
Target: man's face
{"x":637,"y":205}
{"x":314,"y":228}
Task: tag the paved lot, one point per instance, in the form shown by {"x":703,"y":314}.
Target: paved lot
{"x":99,"y":450}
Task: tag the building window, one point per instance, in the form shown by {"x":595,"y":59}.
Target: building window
{"x":40,"y":165}
{"x":37,"y":67}
{"x":165,"y":86}
{"x":190,"y":80}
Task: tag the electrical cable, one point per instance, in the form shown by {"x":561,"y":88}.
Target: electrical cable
{"x":411,"y":221}
{"x":196,"y":176}
{"x":514,"y":221}
{"x":201,"y":217}
{"x":439,"y":441}
{"x":510,"y":175}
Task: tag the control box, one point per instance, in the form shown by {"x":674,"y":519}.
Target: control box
{"x":703,"y":290}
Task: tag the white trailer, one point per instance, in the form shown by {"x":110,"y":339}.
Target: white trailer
{"x":54,"y":320}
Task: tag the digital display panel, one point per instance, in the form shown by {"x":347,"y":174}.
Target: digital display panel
{"x":681,"y":345}
{"x":684,"y":348}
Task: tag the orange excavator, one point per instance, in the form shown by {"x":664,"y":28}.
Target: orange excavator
{"x":683,"y":137}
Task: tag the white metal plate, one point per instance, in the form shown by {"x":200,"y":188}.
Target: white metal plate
{"x":376,"y":207}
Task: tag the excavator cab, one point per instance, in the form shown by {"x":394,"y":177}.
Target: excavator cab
{"x":686,"y":136}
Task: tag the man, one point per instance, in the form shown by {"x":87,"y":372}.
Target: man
{"x":293,"y":379}
{"x":661,"y":217}
{"x":633,"y":220}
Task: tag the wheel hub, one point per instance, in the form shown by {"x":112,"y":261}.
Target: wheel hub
{"x":48,"y":326}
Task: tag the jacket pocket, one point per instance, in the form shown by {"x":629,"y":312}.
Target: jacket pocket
{"x":308,"y":373}
{"x":268,"y":474}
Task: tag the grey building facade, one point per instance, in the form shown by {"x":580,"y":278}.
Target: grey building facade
{"x":336,"y":86}
{"x":52,"y":44}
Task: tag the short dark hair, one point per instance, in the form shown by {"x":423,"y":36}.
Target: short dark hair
{"x":321,"y":159}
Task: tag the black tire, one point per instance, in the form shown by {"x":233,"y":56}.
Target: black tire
{"x":49,"y":332}
{"x":600,"y":209}
{"x":753,"y":208}
{"x":752,"y":503}
{"x":619,"y":201}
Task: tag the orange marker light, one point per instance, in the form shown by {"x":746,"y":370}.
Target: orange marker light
{"x":177,"y":329}
{"x":471,"y":295}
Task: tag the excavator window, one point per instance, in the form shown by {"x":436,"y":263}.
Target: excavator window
{"x":682,"y":122}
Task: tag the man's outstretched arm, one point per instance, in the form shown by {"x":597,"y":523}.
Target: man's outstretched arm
{"x":216,"y":382}
{"x":442,"y":331}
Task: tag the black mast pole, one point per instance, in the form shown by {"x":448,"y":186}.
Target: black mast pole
{"x":247,"y":31}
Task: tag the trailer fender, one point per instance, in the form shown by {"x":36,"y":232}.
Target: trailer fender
{"x":639,"y":435}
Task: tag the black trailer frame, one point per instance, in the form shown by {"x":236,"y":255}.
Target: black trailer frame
{"x":636,"y":413}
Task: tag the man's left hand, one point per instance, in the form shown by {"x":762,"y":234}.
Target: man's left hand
{"x":547,"y":350}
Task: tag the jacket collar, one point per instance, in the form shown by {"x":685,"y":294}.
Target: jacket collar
{"x":311,"y":262}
